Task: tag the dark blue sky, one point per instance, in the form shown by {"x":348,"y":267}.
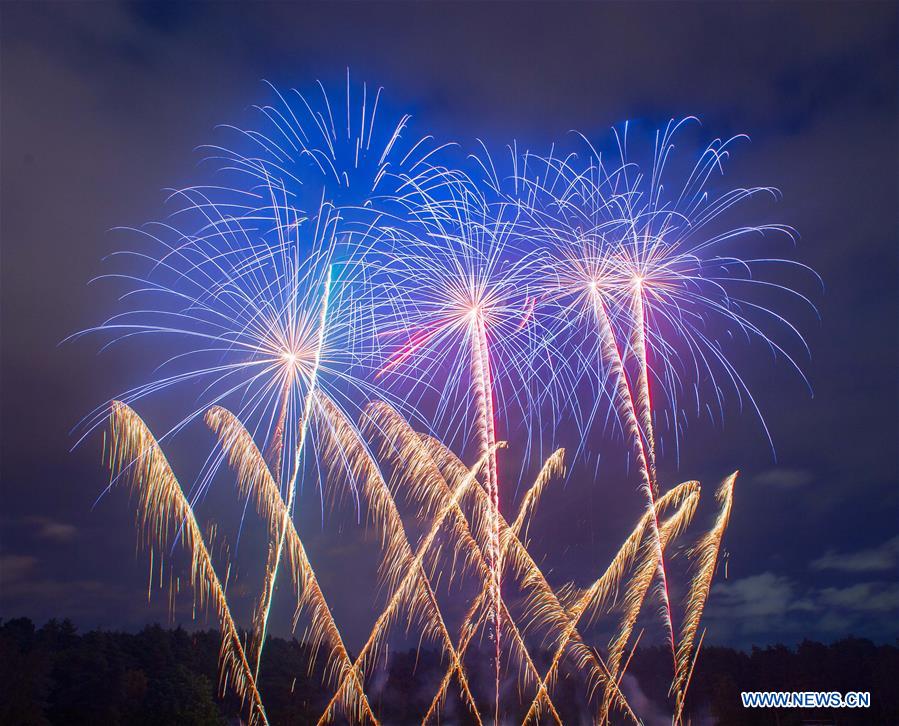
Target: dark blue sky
{"x":103,"y":106}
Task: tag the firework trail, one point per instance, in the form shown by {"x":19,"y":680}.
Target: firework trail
{"x":643,"y":445}
{"x":553,"y":467}
{"x":163,"y":509}
{"x":458,"y":305}
{"x":470,"y":624}
{"x":271,"y":573}
{"x":520,"y":561}
{"x":414,"y":589}
{"x":413,"y":569}
{"x":487,"y":422}
{"x":255,"y":481}
{"x":447,"y":462}
{"x":706,"y":554}
{"x":442,"y":481}
{"x":636,"y":593}
{"x":590,"y":601}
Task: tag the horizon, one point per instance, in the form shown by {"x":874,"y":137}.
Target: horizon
{"x":107,"y":106}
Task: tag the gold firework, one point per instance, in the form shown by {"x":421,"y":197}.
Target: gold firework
{"x":455,"y":501}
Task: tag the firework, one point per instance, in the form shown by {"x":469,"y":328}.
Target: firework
{"x":414,"y":589}
{"x":342,"y":272}
{"x":460,"y":309}
{"x":256,"y":481}
{"x":587,"y":603}
{"x":706,"y":554}
{"x":645,"y":271}
{"x":163,"y":509}
{"x":243,"y":283}
{"x":523,"y":565}
{"x":653,"y":549}
{"x":345,"y":147}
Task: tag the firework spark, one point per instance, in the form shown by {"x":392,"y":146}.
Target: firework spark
{"x":458,"y":294}
{"x":706,"y":554}
{"x":522,"y":564}
{"x":346,"y":264}
{"x":590,"y":601}
{"x":344,"y":147}
{"x":256,"y":481}
{"x":163,"y":509}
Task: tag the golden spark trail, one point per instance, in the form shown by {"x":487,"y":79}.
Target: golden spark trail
{"x":533,"y":578}
{"x":594,"y":597}
{"x":706,"y":553}
{"x":255,"y":479}
{"x":679,"y":710}
{"x":612,"y":353}
{"x":162,"y":507}
{"x":421,"y":454}
{"x":553,"y":466}
{"x":277,"y":449}
{"x":640,"y":582}
{"x":398,"y":597}
{"x":436,"y":451}
{"x":345,"y":444}
{"x":265,"y":602}
{"x":484,"y":401}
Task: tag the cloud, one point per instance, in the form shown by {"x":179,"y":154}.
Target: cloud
{"x":874,"y":559}
{"x":864,"y":597}
{"x":52,"y":529}
{"x":782,"y":478}
{"x":13,"y":568}
{"x":759,"y":597}
{"x":27,"y":589}
{"x":769,"y":604}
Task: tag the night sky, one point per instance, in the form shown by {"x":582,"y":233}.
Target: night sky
{"x":103,"y":107}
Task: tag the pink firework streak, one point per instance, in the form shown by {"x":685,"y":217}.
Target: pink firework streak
{"x":461,"y":315}
{"x":657,"y":267}
{"x":483,"y":385}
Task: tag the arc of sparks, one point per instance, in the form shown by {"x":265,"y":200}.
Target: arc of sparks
{"x":706,"y":554}
{"x":412,"y":573}
{"x":522,"y":562}
{"x":643,"y":442}
{"x":421,"y":454}
{"x":274,"y":561}
{"x":553,"y":467}
{"x":163,"y":508}
{"x":636,"y":594}
{"x":449,"y":468}
{"x":345,"y":443}
{"x":593,"y":598}
{"x":254,"y":479}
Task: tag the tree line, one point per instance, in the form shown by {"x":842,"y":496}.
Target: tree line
{"x":56,"y":675}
